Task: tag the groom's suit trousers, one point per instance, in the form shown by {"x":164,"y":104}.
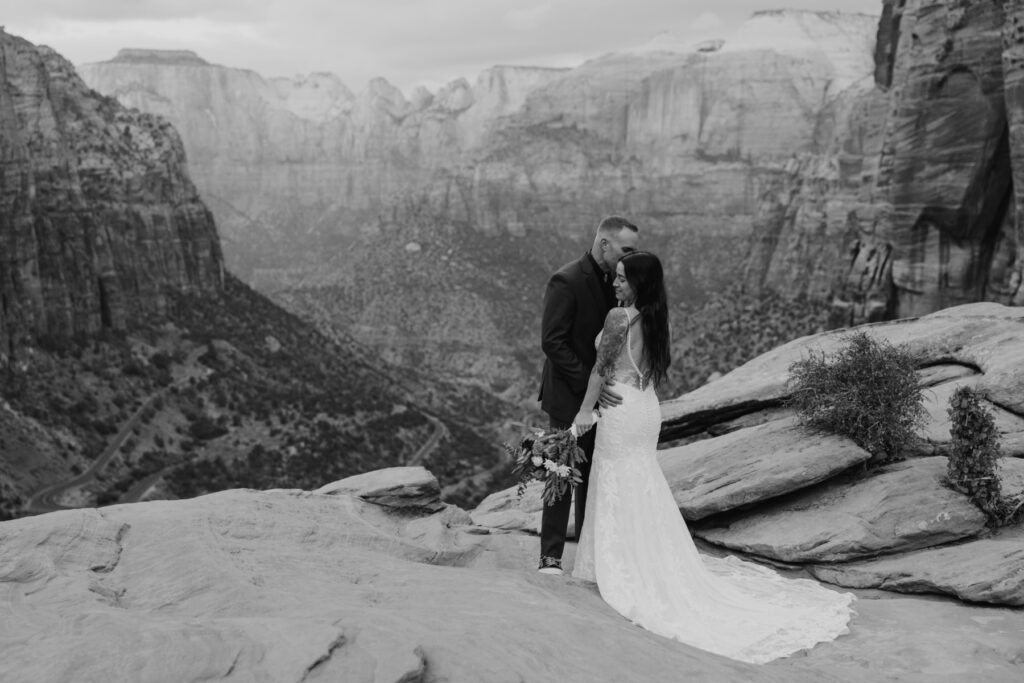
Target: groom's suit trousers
{"x":555,"y":518}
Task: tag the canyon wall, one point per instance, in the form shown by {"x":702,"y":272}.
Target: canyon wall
{"x":97,"y":214}
{"x":425,"y":224}
{"x":683,"y":141}
{"x":921,"y":199}
{"x":866,"y":164}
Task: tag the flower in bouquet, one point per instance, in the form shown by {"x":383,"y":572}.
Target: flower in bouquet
{"x":551,"y":456}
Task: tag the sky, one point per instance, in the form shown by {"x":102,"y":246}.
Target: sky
{"x":408,"y":42}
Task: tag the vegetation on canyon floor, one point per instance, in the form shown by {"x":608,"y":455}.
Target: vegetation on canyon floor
{"x":231,"y":392}
{"x":733,"y":326}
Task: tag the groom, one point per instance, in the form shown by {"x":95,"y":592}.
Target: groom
{"x":577,"y":299}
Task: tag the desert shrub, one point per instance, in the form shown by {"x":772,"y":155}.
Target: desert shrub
{"x":205,"y":428}
{"x":107,"y":497}
{"x":134,"y":368}
{"x":867,"y":391}
{"x":973,"y":467}
{"x":161,"y":360}
{"x":58,"y":344}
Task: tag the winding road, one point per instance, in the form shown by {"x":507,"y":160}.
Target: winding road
{"x":47,"y":499}
{"x":440,"y":431}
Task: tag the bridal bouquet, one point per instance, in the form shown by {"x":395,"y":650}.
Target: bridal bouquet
{"x":551,"y":456}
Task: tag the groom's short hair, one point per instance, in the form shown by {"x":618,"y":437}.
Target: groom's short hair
{"x":615,"y":224}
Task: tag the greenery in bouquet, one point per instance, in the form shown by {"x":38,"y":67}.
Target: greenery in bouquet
{"x":550,"y":456}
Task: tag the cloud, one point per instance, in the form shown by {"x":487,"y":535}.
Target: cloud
{"x":49,"y":11}
{"x":91,"y":41}
{"x":707,"y":21}
{"x":526,"y":18}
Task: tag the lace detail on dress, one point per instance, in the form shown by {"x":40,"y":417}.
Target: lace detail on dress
{"x":636,"y":546}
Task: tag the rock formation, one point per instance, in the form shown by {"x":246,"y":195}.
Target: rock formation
{"x":863,"y":162}
{"x":369,"y":579}
{"x":98,"y":217}
{"x":680,"y":140}
{"x":507,"y":173}
{"x":899,"y":510}
{"x":920,"y":206}
{"x":291,"y":585}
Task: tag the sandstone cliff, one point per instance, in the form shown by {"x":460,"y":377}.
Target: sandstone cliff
{"x":920,"y":204}
{"x":98,"y":217}
{"x":506,"y":174}
{"x":681,"y":140}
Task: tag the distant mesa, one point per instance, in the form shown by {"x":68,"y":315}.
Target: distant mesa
{"x":528,"y":68}
{"x":165,"y":57}
{"x":834,"y":14}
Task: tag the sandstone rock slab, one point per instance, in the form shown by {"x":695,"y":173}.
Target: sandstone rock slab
{"x":983,"y":570}
{"x":509,"y":499}
{"x":506,"y":510}
{"x":412,"y":488}
{"x":288,"y":586}
{"x":988,"y":336}
{"x":752,"y":465}
{"x":902,"y":507}
{"x":509,"y":520}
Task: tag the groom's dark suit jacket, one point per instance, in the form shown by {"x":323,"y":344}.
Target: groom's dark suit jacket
{"x":576,"y":301}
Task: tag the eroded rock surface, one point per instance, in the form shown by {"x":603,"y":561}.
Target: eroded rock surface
{"x":752,"y":465}
{"x":288,"y":586}
{"x":983,"y":570}
{"x":986,"y":336}
{"x":394,"y":487}
{"x":902,"y":507}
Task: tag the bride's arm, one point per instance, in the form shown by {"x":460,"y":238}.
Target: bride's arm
{"x":613,"y":337}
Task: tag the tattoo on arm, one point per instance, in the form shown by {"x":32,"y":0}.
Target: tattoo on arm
{"x":613,"y":337}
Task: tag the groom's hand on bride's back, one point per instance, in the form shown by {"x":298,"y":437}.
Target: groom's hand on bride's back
{"x":609,"y":398}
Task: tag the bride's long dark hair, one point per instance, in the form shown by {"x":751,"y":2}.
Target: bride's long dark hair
{"x":647,"y":279}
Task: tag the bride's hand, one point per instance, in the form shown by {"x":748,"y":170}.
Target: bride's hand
{"x":584,"y":421}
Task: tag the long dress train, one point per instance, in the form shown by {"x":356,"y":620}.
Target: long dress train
{"x":636,"y":546}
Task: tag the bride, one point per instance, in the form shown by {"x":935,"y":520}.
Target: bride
{"x":636,"y":545}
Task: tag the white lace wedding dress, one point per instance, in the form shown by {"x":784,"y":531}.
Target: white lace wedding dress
{"x":636,"y":546}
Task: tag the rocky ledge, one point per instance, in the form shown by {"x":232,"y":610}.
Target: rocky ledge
{"x":368,"y":579}
{"x":769,"y":488}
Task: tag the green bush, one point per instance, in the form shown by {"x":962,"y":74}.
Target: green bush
{"x":868,"y":391}
{"x":205,"y":428}
{"x":974,"y":457}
